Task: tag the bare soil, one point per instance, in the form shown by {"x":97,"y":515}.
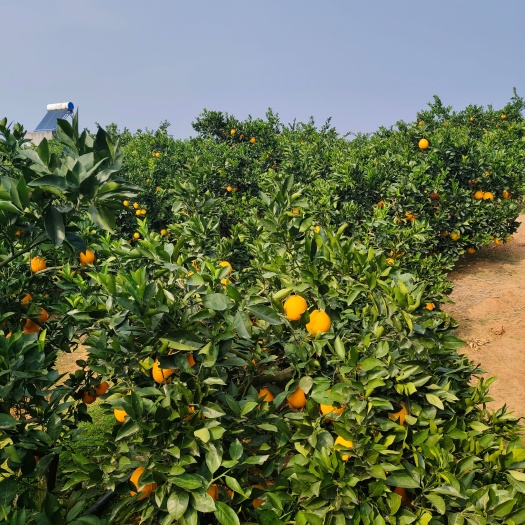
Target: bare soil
{"x":489,"y":305}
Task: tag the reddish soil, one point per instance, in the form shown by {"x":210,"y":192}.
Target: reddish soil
{"x":489,"y":305}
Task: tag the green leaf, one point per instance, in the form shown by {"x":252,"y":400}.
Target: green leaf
{"x":8,"y":488}
{"x":339,"y":348}
{"x":177,"y":504}
{"x":235,"y":449}
{"x":226,"y":515}
{"x":401,"y":479}
{"x":186,"y":482}
{"x":54,"y":224}
{"x":371,"y":363}
{"x":7,"y":421}
{"x":241,"y":323}
{"x":203,"y":434}
{"x":8,"y":206}
{"x":266,"y":314}
{"x":213,"y":458}
{"x":438,"y":502}
{"x":434,"y":400}
{"x":216,"y":301}
{"x":202,"y":502}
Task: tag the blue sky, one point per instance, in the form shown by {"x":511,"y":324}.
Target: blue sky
{"x":363,"y":63}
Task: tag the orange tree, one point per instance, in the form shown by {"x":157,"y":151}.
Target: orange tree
{"x":237,"y":409}
{"x":49,"y":206}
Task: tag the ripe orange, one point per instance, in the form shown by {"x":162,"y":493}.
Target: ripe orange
{"x":471,"y":249}
{"x":405,"y":500}
{"x":137,"y":213}
{"x":136,"y":205}
{"x":423,"y":144}
{"x":252,"y":140}
{"x":478,"y":195}
{"x":164,"y":232}
{"x":390,"y":261}
{"x":228,"y":189}
{"x":506,"y":194}
{"x":294,"y":307}
{"x":488,"y":196}
{"x":143,"y":212}
{"x":120,"y":415}
{"x":471,"y":119}
{"x":380,"y":204}
{"x":145,"y":490}
{"x":102,"y":388}
{"x":232,"y":132}
{"x":498,"y":242}
{"x":257,"y":502}
{"x":213,"y":491}
{"x":38,"y":264}
{"x":329,"y":409}
{"x":401,"y":414}
{"x":296,"y":211}
{"x":136,"y":235}
{"x":225,"y":264}
{"x":344,"y":443}
{"x":297,"y":399}
{"x":87,"y":257}
{"x":266,"y":395}
{"x":44,"y":316}
{"x":430,"y":306}
{"x":158,"y":188}
{"x":88,"y":398}
{"x":30,"y":327}
{"x":26,"y":299}
{"x":319,"y":322}
{"x":455,"y":236}
{"x":126,"y":203}
{"x":503,"y":116}
{"x":160,"y":374}
{"x":191,"y":360}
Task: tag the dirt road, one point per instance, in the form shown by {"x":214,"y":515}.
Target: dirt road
{"x":489,"y":297}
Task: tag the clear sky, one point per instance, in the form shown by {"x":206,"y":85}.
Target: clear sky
{"x":365,"y":63}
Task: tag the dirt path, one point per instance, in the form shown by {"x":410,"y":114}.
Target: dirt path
{"x":489,"y":305}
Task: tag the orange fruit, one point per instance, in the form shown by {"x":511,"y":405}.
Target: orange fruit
{"x":498,"y":242}
{"x":405,"y":500}
{"x":226,"y":264}
{"x":401,"y":414}
{"x":88,"y":398}
{"x":213,"y":491}
{"x":471,"y":119}
{"x":455,"y":236}
{"x":126,"y":203}
{"x":87,"y":257}
{"x":294,"y":307}
{"x":228,"y":188}
{"x":144,"y":490}
{"x":478,"y":195}
{"x":503,"y":116}
{"x":329,"y":409}
{"x":44,"y":316}
{"x":380,"y":204}
{"x":38,"y":264}
{"x":252,"y":140}
{"x":470,"y":249}
{"x":160,"y":374}
{"x":257,"y":502}
{"x":506,"y":194}
{"x":423,"y":144}
{"x":101,"y":388}
{"x":26,"y":299}
{"x":158,"y":188}
{"x":297,"y":399}
{"x":488,"y":196}
{"x":390,"y":261}
{"x":143,"y":212}
{"x":344,"y":443}
{"x":319,"y":322}
{"x":136,"y":235}
{"x":30,"y":327}
{"x":430,"y":306}
{"x":120,"y":415}
{"x":191,"y":360}
{"x":164,"y":232}
{"x":232,"y":132}
{"x":296,"y":211}
{"x":137,"y":213}
{"x":266,"y":395}
{"x":136,"y":205}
